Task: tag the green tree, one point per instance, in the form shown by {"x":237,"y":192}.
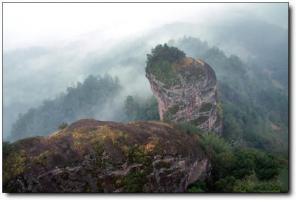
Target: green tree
{"x":164,"y":53}
{"x":131,"y":108}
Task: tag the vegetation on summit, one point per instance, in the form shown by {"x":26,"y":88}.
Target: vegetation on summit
{"x":159,"y":63}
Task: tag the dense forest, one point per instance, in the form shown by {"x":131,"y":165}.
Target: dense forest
{"x":239,"y":169}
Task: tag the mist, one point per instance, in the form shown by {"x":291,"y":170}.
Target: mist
{"x":53,"y":48}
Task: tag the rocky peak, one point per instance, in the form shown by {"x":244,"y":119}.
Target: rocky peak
{"x":185,"y":88}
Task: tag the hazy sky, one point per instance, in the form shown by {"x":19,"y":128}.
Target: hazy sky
{"x":50,"y":24}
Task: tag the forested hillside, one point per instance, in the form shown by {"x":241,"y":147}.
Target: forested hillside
{"x":96,"y":97}
{"x":86,"y":100}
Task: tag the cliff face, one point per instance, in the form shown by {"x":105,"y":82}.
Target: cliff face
{"x":186,"y":91}
{"x":95,"y":156}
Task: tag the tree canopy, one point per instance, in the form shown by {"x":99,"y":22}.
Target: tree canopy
{"x":164,"y":53}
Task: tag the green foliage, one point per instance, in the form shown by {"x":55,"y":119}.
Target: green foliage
{"x":164,"y":72}
{"x":99,"y":150}
{"x":134,"y":181}
{"x":220,"y":109}
{"x":86,"y":100}
{"x":136,"y":108}
{"x":137,"y":154}
{"x":197,"y":187}
{"x":131,"y":108}
{"x":189,"y":128}
{"x":42,"y":158}
{"x":251,"y":184}
{"x":159,"y":63}
{"x":168,"y":115}
{"x":13,"y":164}
{"x":220,"y":153}
{"x":63,"y":126}
{"x":267,"y":166}
{"x":164,"y":53}
{"x":239,"y":169}
{"x":213,"y":143}
{"x":244,"y":163}
{"x":225,"y":184}
{"x":284,"y":179}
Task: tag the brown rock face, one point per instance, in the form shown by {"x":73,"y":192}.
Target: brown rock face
{"x":95,"y":156}
{"x":187,"y":92}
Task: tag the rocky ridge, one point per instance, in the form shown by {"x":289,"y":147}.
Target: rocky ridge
{"x":96,"y":156}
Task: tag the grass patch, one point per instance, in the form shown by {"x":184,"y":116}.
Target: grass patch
{"x":13,"y":165}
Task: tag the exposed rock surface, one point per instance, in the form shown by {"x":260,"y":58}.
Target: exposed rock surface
{"x":186,"y":91}
{"x":95,"y":156}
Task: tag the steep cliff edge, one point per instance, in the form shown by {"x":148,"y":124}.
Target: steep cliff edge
{"x":96,"y":156}
{"x":186,"y":89}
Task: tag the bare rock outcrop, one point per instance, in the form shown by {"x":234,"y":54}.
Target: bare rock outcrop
{"x":96,"y":156}
{"x":185,"y":88}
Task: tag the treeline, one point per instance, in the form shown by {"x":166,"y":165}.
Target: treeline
{"x":96,"y":97}
{"x":85,"y":100}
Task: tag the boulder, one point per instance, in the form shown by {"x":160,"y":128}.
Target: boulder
{"x":96,"y":156}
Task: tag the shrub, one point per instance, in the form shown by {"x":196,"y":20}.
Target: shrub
{"x":189,"y":128}
{"x":63,"y":126}
{"x":197,"y":187}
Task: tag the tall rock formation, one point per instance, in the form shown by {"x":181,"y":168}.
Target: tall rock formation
{"x":186,"y":89}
